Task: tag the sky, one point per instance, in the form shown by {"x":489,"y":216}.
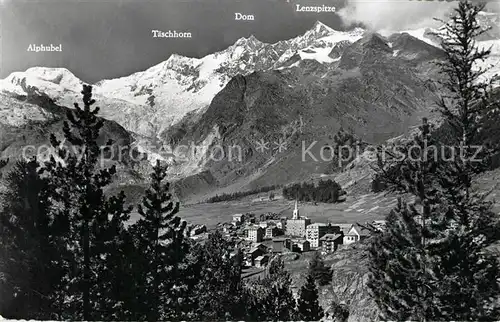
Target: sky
{"x":104,"y":39}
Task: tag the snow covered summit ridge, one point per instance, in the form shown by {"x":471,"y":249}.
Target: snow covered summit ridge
{"x":149,"y":101}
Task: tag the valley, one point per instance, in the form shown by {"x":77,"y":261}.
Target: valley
{"x":376,"y":87}
{"x":359,"y":209}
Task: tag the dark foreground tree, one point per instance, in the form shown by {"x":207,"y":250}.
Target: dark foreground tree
{"x":319,"y":271}
{"x":433,"y":262}
{"x":398,"y":258}
{"x":162,"y":248}
{"x":219,"y":292}
{"x":27,"y":273}
{"x":90,"y":224}
{"x":271,"y":297}
{"x":308,"y":307}
{"x":467,"y":269}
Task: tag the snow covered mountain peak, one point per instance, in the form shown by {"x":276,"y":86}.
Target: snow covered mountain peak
{"x":149,"y":101}
{"x":52,"y":74}
{"x":52,"y":81}
{"x":251,"y":42}
{"x":57,"y":76}
{"x":321,"y":28}
{"x":179,"y":59}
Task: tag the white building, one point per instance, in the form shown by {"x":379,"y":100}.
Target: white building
{"x":355,"y":234}
{"x":315,"y":231}
{"x":255,"y":233}
{"x":239,"y":218}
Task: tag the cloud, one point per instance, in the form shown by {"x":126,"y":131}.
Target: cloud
{"x":395,"y":15}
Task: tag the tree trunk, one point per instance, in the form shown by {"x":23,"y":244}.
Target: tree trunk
{"x":86,"y":271}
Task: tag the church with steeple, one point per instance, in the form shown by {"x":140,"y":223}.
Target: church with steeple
{"x":297,"y":225}
{"x":296,"y":211}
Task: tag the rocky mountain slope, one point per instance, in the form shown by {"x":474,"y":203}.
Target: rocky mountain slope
{"x":350,"y":275}
{"x":377,"y":87}
{"x":349,"y":282}
{"x":26,"y":122}
{"x":372,"y":90}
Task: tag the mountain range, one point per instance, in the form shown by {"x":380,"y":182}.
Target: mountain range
{"x":294,"y":92}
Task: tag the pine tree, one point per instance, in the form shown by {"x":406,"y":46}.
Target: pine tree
{"x":257,"y":301}
{"x":120,"y":286}
{"x":320,"y":272}
{"x":469,"y":99}
{"x":271,"y":298}
{"x":161,"y":238}
{"x":432,"y":261}
{"x":397,"y":267}
{"x":466,"y":269}
{"x":114,"y":246}
{"x":26,"y":270}
{"x":403,"y":246}
{"x":280,"y":295}
{"x":91,"y":223}
{"x":218,"y":292}
{"x":308,"y":308}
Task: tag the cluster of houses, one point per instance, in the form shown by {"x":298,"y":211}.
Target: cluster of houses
{"x":259,"y":240}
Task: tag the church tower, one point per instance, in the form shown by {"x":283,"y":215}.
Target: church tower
{"x":296,"y":211}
